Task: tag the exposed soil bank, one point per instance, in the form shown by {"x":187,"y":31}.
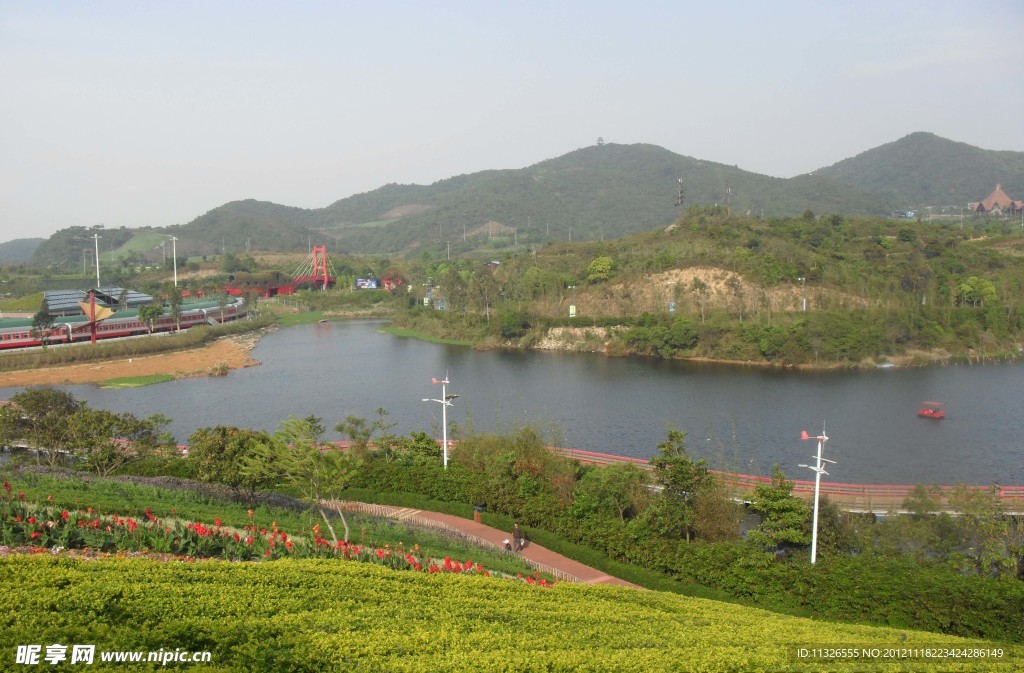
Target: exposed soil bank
{"x":210,"y":360}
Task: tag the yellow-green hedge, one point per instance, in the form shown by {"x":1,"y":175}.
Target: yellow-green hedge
{"x":317,"y":615}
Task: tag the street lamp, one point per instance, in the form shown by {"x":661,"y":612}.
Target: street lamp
{"x":96,"y":239}
{"x":174,"y":257}
{"x":445,"y":402}
{"x":818,"y":471}
{"x":803,"y":292}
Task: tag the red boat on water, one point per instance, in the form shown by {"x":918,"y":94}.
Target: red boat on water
{"x":931,"y":410}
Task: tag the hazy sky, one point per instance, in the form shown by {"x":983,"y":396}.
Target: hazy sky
{"x":152,"y":113}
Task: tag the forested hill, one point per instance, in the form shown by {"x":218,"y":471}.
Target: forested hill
{"x":603,"y":191}
{"x":599,"y":191}
{"x":19,"y":251}
{"x":923,"y":169}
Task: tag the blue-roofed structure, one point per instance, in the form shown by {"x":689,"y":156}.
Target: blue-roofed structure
{"x":67,"y":302}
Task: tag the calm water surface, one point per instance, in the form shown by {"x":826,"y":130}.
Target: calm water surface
{"x":744,"y":419}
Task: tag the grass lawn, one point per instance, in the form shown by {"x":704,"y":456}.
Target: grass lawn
{"x":135,"y":381}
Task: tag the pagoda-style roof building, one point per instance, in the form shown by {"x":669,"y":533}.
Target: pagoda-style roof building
{"x":998,"y":202}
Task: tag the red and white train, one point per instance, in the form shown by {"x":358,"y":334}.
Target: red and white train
{"x":18,"y":332}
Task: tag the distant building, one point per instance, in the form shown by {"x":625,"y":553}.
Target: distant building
{"x":997,"y":203}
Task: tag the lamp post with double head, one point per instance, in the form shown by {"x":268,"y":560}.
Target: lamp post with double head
{"x":818,"y":470}
{"x":445,"y":402}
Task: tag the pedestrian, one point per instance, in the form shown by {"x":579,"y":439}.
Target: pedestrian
{"x":517,"y":538}
{"x":508,"y":545}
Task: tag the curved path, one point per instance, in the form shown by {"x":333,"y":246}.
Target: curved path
{"x":538,"y":557}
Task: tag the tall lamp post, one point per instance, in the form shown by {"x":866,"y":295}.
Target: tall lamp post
{"x":818,"y":470}
{"x":445,"y":402}
{"x":803,"y":292}
{"x":174,"y":258}
{"x":96,"y":239}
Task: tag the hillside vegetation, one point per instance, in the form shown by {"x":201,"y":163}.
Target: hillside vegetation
{"x":723,"y":286}
{"x":603,"y":191}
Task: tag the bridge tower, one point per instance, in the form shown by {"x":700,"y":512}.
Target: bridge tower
{"x":320,"y":266}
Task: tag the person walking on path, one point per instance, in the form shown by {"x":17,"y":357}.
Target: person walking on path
{"x":517,"y":538}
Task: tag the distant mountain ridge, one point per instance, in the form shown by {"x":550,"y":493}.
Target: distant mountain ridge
{"x":19,"y":251}
{"x":922,"y":169}
{"x":603,"y":191}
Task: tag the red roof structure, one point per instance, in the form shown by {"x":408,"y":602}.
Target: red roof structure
{"x":997,"y":202}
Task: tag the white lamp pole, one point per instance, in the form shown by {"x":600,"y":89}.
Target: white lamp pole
{"x":96,"y":238}
{"x":803,"y":292}
{"x":818,"y":470}
{"x":174,"y":258}
{"x":445,"y":402}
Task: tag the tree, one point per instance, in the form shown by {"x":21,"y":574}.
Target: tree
{"x":701,"y":289}
{"x":174,"y":300}
{"x":514,"y":324}
{"x":681,"y":478}
{"x":716,"y":515}
{"x":39,"y":418}
{"x":985,"y":532}
{"x":600,"y":269}
{"x":42,"y":323}
{"x":106,"y":441}
{"x":785,"y":518}
{"x":360,"y":431}
{"x":483,"y":290}
{"x":218,"y":453}
{"x":148,"y":314}
{"x":299,"y":457}
{"x":975,"y":291}
{"x":616,"y":490}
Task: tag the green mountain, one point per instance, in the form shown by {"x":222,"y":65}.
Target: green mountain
{"x":19,"y":251}
{"x":601,"y":191}
{"x":598,"y":191}
{"x":923,"y":170}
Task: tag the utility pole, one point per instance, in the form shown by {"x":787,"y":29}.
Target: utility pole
{"x":680,"y":196}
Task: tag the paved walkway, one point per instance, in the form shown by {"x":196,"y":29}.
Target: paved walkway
{"x":538,"y":557}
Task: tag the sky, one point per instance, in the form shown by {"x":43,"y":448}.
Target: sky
{"x":153,"y":113}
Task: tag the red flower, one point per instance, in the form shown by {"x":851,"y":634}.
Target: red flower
{"x":64,"y":515}
{"x":31,"y":519}
{"x":248,"y":540}
{"x":7,"y":487}
{"x":288,"y":544}
{"x":216,"y":522}
{"x":237,"y":538}
{"x":34,"y":535}
{"x":268,"y":553}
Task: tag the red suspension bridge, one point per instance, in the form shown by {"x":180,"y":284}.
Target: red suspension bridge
{"x":315,"y":272}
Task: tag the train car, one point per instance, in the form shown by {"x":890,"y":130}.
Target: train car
{"x":18,"y":333}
